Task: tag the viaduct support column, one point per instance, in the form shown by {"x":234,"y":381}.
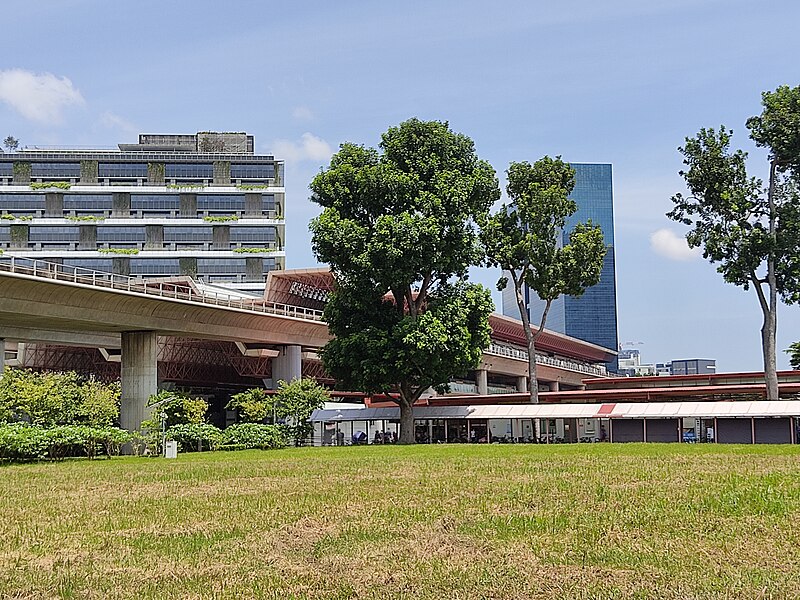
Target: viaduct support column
{"x":139,"y":374}
{"x":522,"y":384}
{"x":554,"y":387}
{"x":288,"y":365}
{"x":2,"y":355}
{"x":482,"y":381}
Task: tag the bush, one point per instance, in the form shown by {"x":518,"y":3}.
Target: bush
{"x":21,"y":441}
{"x":254,"y":435}
{"x":193,"y":437}
{"x":254,"y":405}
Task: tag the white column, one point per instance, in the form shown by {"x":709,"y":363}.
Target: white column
{"x":2,"y":355}
{"x":522,"y":384}
{"x":139,"y":374}
{"x":288,"y":365}
{"x":482,"y":381}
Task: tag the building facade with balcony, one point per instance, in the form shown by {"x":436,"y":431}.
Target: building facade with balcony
{"x":203,"y":205}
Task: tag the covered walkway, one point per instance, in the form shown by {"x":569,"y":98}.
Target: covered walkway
{"x":776,"y":422}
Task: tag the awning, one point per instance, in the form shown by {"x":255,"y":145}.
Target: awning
{"x":634,"y":410}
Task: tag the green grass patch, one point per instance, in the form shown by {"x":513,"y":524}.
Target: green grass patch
{"x":579,"y":521}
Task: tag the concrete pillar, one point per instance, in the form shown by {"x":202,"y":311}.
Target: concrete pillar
{"x":554,"y":387}
{"x":54,"y":204}
{"x":139,"y":374}
{"x":254,"y":268}
{"x":2,"y":356}
{"x":288,"y":365}
{"x":121,"y":204}
{"x":522,"y":384}
{"x":482,"y":380}
{"x":188,"y":205}
{"x":253,"y":205}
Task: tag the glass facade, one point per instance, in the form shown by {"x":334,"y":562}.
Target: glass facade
{"x":593,"y":316}
{"x":221,"y":203}
{"x":155,"y":203}
{"x":12,"y":203}
{"x":125,"y":170}
{"x":189,"y":171}
{"x":88,"y":203}
{"x":56,"y":170}
{"x":252,"y":171}
{"x":255,"y":235}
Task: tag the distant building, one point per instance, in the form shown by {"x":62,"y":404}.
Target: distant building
{"x":593,"y":316}
{"x":201,"y":204}
{"x":630,"y":364}
{"x":693,"y":366}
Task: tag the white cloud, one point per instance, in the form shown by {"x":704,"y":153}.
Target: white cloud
{"x":302,"y":113}
{"x":38,"y":97}
{"x":668,"y":244}
{"x":113,"y":121}
{"x":309,"y":147}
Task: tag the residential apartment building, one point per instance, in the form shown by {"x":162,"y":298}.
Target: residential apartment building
{"x":203,"y":205}
{"x":593,"y":316}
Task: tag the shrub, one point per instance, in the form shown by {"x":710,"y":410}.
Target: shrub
{"x":193,"y":437}
{"x":254,"y":435}
{"x":254,"y":405}
{"x":20,"y":441}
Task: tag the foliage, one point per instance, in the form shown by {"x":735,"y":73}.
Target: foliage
{"x":155,"y":172}
{"x":401,"y":223}
{"x":255,"y":250}
{"x":794,"y":355}
{"x":99,"y":404}
{"x":751,"y":232}
{"x":192,"y":437}
{"x":254,"y":405}
{"x":296,"y":401}
{"x":21,"y":170}
{"x":22,"y":441}
{"x":10,"y":217}
{"x":525,"y":239}
{"x":44,"y":185}
{"x":179,"y":407}
{"x":11,"y":143}
{"x":220,"y":218}
{"x":254,"y":435}
{"x":87,"y":218}
{"x":89,"y":171}
{"x":250,"y":186}
{"x":185,"y":186}
{"x":128,"y":251}
{"x":19,"y":235}
{"x":50,"y":399}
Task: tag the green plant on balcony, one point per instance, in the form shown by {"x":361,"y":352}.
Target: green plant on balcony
{"x":10,"y":217}
{"x":254,"y":250}
{"x":44,"y":185}
{"x":88,"y":218}
{"x":128,"y":251}
{"x":252,"y":186}
{"x":22,"y":170}
{"x":185,"y":186}
{"x":220,"y":219}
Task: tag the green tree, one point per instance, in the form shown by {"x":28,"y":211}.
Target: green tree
{"x":524,"y":239}
{"x":11,"y":143}
{"x":398,"y":232}
{"x":45,"y":399}
{"x":794,"y":355}
{"x":752,"y":232}
{"x":99,"y":403}
{"x":295,"y":401}
{"x":254,"y":405}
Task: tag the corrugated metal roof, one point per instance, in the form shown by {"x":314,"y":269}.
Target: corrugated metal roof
{"x":622,"y":410}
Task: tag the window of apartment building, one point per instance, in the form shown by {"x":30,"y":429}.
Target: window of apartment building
{"x":220,"y":203}
{"x":22,"y":204}
{"x":125,"y":235}
{"x":55,"y":170}
{"x":188,"y":234}
{"x":257,"y":235}
{"x":155,"y":204}
{"x":246,"y":171}
{"x":59,"y":234}
{"x":88,"y":204}
{"x":126,"y":170}
{"x":155,"y":266}
{"x":94,"y":264}
{"x":189,"y":171}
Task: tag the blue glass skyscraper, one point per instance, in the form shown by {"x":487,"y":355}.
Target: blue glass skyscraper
{"x":593,"y":316}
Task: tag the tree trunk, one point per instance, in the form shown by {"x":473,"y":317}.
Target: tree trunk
{"x":406,"y":422}
{"x":771,"y":313}
{"x":533,"y":387}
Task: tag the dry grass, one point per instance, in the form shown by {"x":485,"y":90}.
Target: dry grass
{"x":589,"y":521}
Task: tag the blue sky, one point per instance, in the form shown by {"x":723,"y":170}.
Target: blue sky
{"x":616,"y":81}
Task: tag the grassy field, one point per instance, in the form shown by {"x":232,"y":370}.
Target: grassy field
{"x":587,"y":521}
